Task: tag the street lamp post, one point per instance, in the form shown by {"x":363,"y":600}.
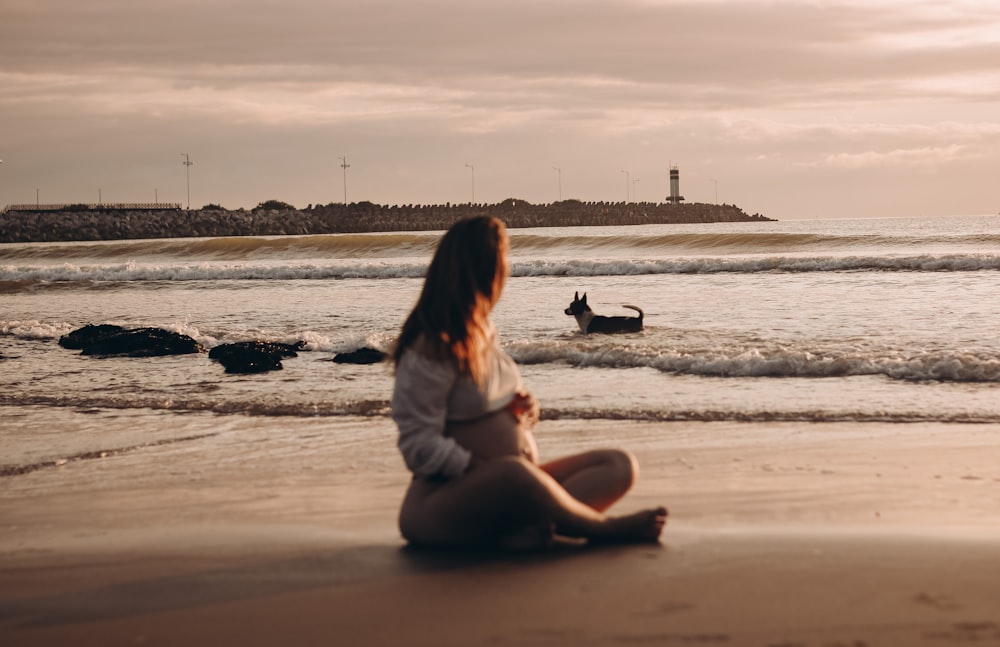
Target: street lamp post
{"x":473,"y":168}
{"x":716,"y":183}
{"x":634,"y":198}
{"x":187,"y":171}
{"x":559,"y":173}
{"x":627,"y":182}
{"x":344,"y":165}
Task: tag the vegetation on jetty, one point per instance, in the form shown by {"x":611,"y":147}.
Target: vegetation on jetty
{"x":274,"y":218}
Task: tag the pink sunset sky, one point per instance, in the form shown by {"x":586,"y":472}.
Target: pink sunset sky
{"x":790,"y":109}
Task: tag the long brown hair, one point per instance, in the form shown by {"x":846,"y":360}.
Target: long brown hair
{"x":464,"y":282}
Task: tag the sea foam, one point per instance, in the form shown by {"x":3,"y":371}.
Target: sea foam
{"x":133,"y":271}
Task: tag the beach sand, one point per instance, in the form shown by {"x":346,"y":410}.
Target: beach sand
{"x":780,"y":535}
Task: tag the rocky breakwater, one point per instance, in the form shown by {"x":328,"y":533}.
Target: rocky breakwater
{"x":101,"y":223}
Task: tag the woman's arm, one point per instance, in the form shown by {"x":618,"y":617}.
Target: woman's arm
{"x":419,"y":406}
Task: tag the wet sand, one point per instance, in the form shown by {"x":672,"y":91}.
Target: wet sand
{"x":790,"y":534}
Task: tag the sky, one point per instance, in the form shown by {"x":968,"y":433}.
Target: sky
{"x":790,"y":109}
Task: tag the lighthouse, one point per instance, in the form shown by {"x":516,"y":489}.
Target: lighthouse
{"x":675,"y":196}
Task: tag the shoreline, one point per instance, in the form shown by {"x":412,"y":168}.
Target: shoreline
{"x":62,"y":223}
{"x":788,"y":534}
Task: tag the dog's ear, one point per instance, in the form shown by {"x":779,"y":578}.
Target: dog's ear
{"x":576,"y":296}
{"x":584,"y":299}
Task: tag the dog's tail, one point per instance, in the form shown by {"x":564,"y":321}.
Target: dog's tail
{"x":637,"y":309}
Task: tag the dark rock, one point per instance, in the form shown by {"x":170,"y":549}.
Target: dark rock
{"x":143,"y":342}
{"x":361,"y":356}
{"x":89,"y":334}
{"x":223,"y":351}
{"x":253,"y":356}
{"x":251,"y":361}
{"x":26,"y":223}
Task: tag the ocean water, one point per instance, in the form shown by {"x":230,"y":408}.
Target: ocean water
{"x":893,"y":320}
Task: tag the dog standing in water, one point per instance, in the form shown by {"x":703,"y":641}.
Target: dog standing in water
{"x":589,"y":322}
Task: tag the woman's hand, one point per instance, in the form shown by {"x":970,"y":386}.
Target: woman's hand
{"x":525,"y":408}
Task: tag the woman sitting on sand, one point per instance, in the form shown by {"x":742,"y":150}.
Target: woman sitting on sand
{"x":465,"y":422}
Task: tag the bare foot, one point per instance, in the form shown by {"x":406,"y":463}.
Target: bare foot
{"x":644,"y":526}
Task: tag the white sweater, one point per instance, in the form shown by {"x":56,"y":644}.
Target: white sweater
{"x":429,"y":393}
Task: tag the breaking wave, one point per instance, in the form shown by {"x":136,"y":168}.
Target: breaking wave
{"x":234,"y":248}
{"x":534,"y":242}
{"x":779,"y":362}
{"x":798,"y":360}
{"x":14,"y":278}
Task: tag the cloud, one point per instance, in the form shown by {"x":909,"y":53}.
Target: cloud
{"x":677,"y":55}
{"x":726,"y":86}
{"x":913,"y":157}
